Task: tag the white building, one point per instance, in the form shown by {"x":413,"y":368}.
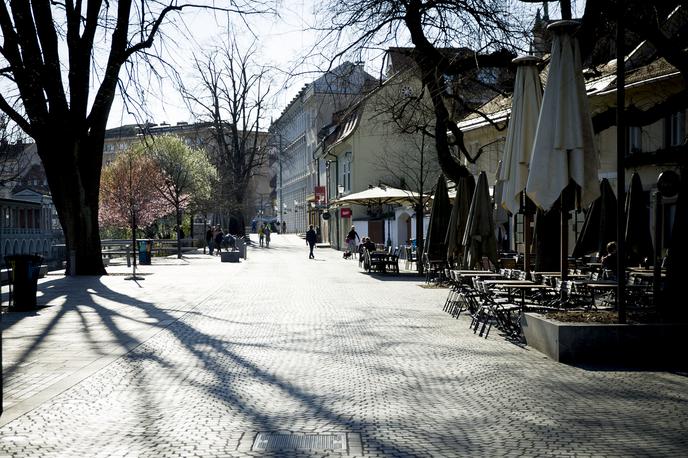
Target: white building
{"x":294,"y":140}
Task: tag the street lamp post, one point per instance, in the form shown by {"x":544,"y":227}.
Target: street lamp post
{"x":134,"y":210}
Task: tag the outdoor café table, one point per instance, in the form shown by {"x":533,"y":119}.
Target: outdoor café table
{"x":523,"y":287}
{"x":558,"y":274}
{"x":644,"y":273}
{"x":477,"y":273}
{"x":378,"y":259}
{"x":472,"y":272}
{"x":505,"y":282}
{"x":609,"y":285}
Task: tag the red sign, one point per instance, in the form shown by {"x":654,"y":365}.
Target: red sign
{"x":319,"y":193}
{"x":345,"y":212}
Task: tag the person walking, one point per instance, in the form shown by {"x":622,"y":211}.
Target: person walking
{"x":351,"y":241}
{"x":209,"y":240}
{"x":267,"y":236}
{"x":310,"y":241}
{"x":261,"y":234}
{"x":218,"y":240}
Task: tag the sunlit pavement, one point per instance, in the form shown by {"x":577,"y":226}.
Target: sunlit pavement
{"x":200,"y":357}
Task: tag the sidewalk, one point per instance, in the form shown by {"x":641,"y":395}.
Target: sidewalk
{"x":204,"y":358}
{"x":85,"y":323}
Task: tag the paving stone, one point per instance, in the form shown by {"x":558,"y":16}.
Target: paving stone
{"x":201,"y":356}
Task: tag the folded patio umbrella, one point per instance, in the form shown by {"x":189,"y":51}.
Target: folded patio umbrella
{"x":599,"y":227}
{"x":459,"y":216}
{"x":563,"y":150}
{"x":525,"y":109}
{"x":501,"y":215}
{"x":638,"y":238}
{"x":564,"y":153}
{"x":479,"y":239}
{"x":435,"y":247}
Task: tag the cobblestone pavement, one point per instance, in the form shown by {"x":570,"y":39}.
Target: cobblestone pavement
{"x":201,"y":357}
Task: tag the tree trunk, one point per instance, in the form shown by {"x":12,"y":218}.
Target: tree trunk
{"x":179,"y":233}
{"x":419,"y":237}
{"x":72,"y":168}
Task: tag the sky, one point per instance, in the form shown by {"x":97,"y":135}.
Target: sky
{"x":281,"y":41}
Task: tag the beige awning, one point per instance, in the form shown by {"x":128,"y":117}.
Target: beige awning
{"x":379,"y":195}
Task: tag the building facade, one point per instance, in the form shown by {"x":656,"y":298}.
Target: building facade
{"x":651,"y":148}
{"x":294,"y":141}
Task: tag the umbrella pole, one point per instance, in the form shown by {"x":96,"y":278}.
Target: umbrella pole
{"x":528,"y":238}
{"x":564,"y":249}
{"x":620,"y":166}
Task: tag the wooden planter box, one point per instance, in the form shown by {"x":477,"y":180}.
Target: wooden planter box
{"x":627,"y":344}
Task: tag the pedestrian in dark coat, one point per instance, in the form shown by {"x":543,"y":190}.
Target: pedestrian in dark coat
{"x":310,"y":240}
{"x":219,"y":235}
{"x":209,"y":240}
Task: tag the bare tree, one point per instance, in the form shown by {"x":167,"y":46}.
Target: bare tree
{"x":232,"y":96}
{"x":487,"y":28}
{"x":414,"y":168}
{"x":403,"y":109}
{"x":51,"y":54}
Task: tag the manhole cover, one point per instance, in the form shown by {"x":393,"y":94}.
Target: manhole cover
{"x":285,"y":441}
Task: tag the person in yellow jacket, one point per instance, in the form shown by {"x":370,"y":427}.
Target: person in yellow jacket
{"x":261,"y":234}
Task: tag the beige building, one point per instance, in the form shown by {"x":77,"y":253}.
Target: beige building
{"x":381,"y":140}
{"x":366,"y":147}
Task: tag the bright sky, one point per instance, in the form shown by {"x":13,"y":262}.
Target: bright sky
{"x":282,"y":42}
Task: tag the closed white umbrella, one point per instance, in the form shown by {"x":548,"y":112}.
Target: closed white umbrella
{"x":564,"y":148}
{"x":525,"y":110}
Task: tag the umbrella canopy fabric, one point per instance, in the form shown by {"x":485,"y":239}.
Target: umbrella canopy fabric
{"x":435,"y":246}
{"x":479,"y":238}
{"x":564,"y":149}
{"x":501,"y":216}
{"x":379,"y":195}
{"x":638,"y":238}
{"x":525,"y":109}
{"x":458,"y":219}
{"x":599,"y":227}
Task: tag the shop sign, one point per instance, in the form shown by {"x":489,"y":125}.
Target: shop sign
{"x":319,"y":192}
{"x":345,"y":212}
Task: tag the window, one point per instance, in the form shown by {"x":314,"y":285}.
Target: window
{"x":487,"y":76}
{"x":635,"y":139}
{"x":346,"y":171}
{"x":677,"y":129}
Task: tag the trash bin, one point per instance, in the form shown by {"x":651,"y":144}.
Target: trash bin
{"x":23,"y":279}
{"x":241,"y":247}
{"x":145,"y":250}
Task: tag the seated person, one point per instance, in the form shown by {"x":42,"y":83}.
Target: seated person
{"x":361,"y":247}
{"x":609,"y":261}
{"x":369,"y":244}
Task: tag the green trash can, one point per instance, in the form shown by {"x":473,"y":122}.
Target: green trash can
{"x":24,"y":280}
{"x":145,"y":250}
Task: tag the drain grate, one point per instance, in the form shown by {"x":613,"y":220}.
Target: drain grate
{"x":286,"y":441}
